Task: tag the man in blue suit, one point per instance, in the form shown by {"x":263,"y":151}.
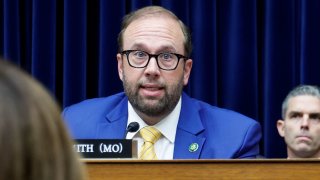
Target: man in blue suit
{"x":154,"y":66}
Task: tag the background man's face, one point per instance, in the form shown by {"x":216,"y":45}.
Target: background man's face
{"x":301,"y":127}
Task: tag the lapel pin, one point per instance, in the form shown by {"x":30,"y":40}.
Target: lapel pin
{"x":193,"y":147}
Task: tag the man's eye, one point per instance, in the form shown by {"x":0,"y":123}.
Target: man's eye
{"x":167,"y":56}
{"x":140,"y":54}
{"x":315,"y":117}
{"x":295,"y":115}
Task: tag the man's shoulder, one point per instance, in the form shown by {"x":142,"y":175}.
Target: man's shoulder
{"x":226,"y":114}
{"x":212,"y":113}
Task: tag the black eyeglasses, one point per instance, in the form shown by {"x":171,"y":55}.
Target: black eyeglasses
{"x":141,"y":59}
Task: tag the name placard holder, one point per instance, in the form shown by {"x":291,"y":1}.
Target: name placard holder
{"x":106,"y":148}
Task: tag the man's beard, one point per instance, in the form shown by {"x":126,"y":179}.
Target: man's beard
{"x":164,"y":105}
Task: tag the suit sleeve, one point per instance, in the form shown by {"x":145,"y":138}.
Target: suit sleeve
{"x":250,"y":145}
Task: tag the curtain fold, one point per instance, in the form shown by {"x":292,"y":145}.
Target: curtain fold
{"x":309,"y":43}
{"x":279,"y":76}
{"x":247,"y":54}
{"x":205,"y":51}
{"x":11,"y":28}
{"x":43,"y":42}
{"x":110,"y":22}
{"x":74,"y":51}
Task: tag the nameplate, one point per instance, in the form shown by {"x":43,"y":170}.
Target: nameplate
{"x":106,"y":148}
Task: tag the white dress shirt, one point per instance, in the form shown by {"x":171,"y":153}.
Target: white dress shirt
{"x":167,"y":126}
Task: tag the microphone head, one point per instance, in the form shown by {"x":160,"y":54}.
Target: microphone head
{"x":133,"y":127}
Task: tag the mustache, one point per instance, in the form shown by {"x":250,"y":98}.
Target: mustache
{"x":153,"y":83}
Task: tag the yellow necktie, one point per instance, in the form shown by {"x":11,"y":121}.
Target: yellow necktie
{"x":150,"y":135}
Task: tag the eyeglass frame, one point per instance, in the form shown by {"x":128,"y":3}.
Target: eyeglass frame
{"x":179,"y":56}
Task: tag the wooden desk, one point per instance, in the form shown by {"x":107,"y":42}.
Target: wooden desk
{"x":204,"y":169}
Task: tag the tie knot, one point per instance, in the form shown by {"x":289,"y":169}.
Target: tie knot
{"x":150,"y":134}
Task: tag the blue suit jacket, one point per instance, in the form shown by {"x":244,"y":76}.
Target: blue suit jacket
{"x":220,"y":133}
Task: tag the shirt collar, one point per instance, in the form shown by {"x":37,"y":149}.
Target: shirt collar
{"x":167,"y":126}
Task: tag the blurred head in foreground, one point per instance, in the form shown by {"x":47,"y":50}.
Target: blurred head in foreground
{"x":34,"y":143}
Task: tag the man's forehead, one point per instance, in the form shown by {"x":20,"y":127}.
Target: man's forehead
{"x":152,"y":33}
{"x":303,"y":103}
{"x":302,"y":99}
{"x":147,"y":15}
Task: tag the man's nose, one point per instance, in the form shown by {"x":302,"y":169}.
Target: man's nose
{"x":152,"y":68}
{"x":305,"y":121}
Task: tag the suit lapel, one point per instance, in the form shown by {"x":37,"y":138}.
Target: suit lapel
{"x":187,"y":145}
{"x":114,"y":125}
{"x":189,"y":140}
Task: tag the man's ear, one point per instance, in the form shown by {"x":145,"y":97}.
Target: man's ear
{"x":280,"y":127}
{"x":187,"y":71}
{"x":120,"y":65}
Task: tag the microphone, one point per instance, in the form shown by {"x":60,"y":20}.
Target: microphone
{"x":132,"y":127}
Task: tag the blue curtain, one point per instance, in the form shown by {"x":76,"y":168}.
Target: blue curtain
{"x":247,"y":54}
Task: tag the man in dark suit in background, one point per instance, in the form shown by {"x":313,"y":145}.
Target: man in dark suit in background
{"x":300,"y":126}
{"x":154,"y":66}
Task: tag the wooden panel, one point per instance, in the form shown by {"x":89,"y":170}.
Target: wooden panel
{"x":204,"y":169}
